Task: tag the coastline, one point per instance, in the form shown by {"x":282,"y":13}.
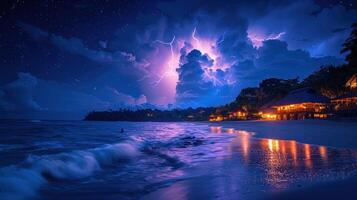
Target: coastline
{"x":201,"y":186}
{"x":191,"y":159}
{"x":335,"y":134}
{"x":337,"y":189}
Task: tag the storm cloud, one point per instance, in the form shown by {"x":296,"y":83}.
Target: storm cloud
{"x":185,"y":53}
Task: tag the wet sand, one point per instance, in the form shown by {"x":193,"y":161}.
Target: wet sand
{"x":298,"y":165}
{"x":346,"y":189}
{"x":339,"y":134}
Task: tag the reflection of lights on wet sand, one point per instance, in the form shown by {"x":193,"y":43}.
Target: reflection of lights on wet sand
{"x":293,"y":149}
{"x":276,"y":145}
{"x":243,"y":137}
{"x":240,"y":132}
{"x":283,"y":148}
{"x":230,"y":130}
{"x":323,"y":153}
{"x":274,"y":161}
{"x":307,"y":151}
{"x":216,"y":129}
{"x":245,"y":146}
{"x":277,"y":157}
{"x":270,"y":145}
{"x":277,"y":153}
{"x":273,"y":145}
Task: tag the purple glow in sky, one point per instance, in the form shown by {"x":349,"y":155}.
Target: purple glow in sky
{"x":109,"y":55}
{"x":257,"y":37}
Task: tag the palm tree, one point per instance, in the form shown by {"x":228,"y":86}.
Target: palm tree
{"x":350,"y":46}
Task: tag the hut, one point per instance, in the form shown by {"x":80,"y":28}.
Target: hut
{"x":304,"y":103}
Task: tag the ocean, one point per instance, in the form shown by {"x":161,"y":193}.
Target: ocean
{"x":154,"y":160}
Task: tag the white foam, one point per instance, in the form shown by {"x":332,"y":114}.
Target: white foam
{"x":20,"y":182}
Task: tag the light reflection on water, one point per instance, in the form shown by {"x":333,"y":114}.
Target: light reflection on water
{"x":185,"y":158}
{"x":285,"y":160}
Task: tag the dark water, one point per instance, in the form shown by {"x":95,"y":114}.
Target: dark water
{"x":94,"y":160}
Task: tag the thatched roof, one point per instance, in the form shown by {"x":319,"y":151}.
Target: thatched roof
{"x":303,"y":95}
{"x":268,"y":107}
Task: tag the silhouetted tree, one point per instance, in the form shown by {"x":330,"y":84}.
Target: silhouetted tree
{"x":350,"y":46}
{"x":330,"y":80}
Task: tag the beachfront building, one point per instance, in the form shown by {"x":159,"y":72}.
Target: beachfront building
{"x":347,"y":103}
{"x":215,"y":118}
{"x":237,"y":115}
{"x":303,"y":103}
{"x":230,"y":116}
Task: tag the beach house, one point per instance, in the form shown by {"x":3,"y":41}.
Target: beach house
{"x":237,"y":115}
{"x":304,"y":103}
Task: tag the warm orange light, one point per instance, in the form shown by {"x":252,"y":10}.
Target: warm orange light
{"x":270,"y":145}
{"x":316,"y":107}
{"x":307,"y":151}
{"x":352,"y":82}
{"x":245,"y":143}
{"x":230,"y":130}
{"x":214,"y":118}
{"x":269,"y":116}
{"x":273,"y":145}
{"x":323,"y":152}
{"x":293,"y":148}
{"x":216,"y":129}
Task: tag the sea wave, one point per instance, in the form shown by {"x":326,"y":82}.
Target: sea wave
{"x":19,"y":182}
{"x":22,"y":181}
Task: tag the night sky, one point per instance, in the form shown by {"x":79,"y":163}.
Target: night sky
{"x":61,"y":59}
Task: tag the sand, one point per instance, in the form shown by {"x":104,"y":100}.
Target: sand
{"x":231,"y":178}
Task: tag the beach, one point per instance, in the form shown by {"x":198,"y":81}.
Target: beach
{"x":339,"y":134}
{"x":184,"y":160}
{"x":321,"y":133}
{"x":343,"y":137}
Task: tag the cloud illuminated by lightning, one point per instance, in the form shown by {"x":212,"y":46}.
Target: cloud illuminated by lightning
{"x":207,"y":46}
{"x":258,"y":39}
{"x":171,"y":65}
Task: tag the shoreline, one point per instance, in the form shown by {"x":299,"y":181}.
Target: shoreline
{"x":336,"y":189}
{"x":296,"y":130}
{"x":343,"y":188}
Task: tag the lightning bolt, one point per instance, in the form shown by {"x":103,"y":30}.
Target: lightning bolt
{"x":162,"y":76}
{"x":194,"y":35}
{"x":213,"y":78}
{"x":207,"y":74}
{"x":166,"y":73}
{"x":257,"y":41}
{"x":275,"y":37}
